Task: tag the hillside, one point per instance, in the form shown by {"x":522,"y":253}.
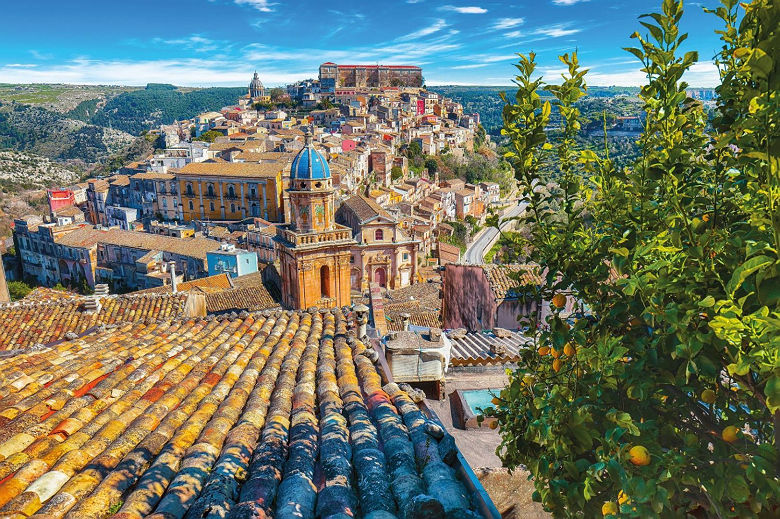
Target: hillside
{"x":58,"y":97}
{"x":89,"y":125}
{"x":485,"y":100}
{"x":53,"y":135}
{"x":141,"y":110}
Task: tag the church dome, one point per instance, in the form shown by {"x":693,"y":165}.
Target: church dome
{"x":256,"y":83}
{"x":309,"y":164}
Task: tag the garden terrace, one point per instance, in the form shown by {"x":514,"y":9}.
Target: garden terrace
{"x":26,"y":324}
{"x":279,"y":414}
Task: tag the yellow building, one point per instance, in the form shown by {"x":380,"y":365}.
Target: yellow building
{"x":231,"y":190}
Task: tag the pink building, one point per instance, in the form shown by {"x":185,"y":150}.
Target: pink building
{"x":348,"y":145}
{"x":60,"y":198}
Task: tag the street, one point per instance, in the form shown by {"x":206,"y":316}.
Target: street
{"x":475,"y":254}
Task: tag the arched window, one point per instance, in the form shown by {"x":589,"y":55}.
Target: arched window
{"x":189,"y":191}
{"x":231,"y":191}
{"x":211,"y":206}
{"x":191,"y":206}
{"x":232,"y":208}
{"x":210,"y":189}
{"x":379,"y":235}
{"x":325,"y":281}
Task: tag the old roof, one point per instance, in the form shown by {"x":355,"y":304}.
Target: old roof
{"x":275,"y":414}
{"x":196,"y":247}
{"x":25,"y":324}
{"x":478,"y":348}
{"x":422,"y":301}
{"x":249,"y":298}
{"x":364,"y":208}
{"x":232,"y":169}
{"x":42,"y":294}
{"x":504,"y":279}
{"x":152,"y":175}
{"x":216,"y":282}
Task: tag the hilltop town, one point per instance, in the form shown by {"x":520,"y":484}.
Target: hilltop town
{"x":221,"y":187}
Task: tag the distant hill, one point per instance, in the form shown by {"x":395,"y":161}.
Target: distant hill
{"x":94,"y":124}
{"x":485,"y":100}
{"x":157,"y":104}
{"x":53,"y":135}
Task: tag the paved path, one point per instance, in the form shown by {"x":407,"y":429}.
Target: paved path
{"x":475,"y":254}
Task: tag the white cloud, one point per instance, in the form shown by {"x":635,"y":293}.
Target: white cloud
{"x":193,"y":72}
{"x":261,"y":5}
{"x":464,"y":10}
{"x":425,"y":31}
{"x":567,"y":2}
{"x":508,"y":23}
{"x":194,"y":42}
{"x":473,"y":65}
{"x":556,"y":31}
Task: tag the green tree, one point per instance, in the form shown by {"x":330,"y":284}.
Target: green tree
{"x":209,"y":136}
{"x":396,"y":172}
{"x":18,"y":289}
{"x":432,"y":165}
{"x":658,"y":396}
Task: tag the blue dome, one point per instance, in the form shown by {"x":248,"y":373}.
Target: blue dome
{"x":309,"y":164}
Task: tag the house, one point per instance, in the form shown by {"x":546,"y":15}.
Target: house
{"x":482,"y":297}
{"x":231,"y":190}
{"x":228,"y":259}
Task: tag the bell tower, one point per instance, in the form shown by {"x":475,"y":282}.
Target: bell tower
{"x":314,"y":251}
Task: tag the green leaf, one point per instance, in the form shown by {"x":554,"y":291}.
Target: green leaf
{"x":772,"y":392}
{"x":745,"y":270}
{"x":737,"y":488}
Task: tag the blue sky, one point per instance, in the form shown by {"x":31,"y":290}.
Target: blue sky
{"x":221,"y":42}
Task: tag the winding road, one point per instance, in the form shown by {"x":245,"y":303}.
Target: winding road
{"x":475,"y":254}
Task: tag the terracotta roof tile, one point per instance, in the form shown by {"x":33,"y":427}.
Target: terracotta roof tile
{"x":25,"y":324}
{"x":264,"y":415}
{"x":504,"y":279}
{"x":232,"y":169}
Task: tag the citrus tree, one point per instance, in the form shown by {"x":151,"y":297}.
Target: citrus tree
{"x":659,"y":396}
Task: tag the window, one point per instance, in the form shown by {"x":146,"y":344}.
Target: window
{"x":210,"y":190}
{"x":189,"y":191}
{"x":191,"y":207}
{"x":379,"y":235}
{"x":231,"y":191}
{"x":406,"y":256}
{"x":211,"y":206}
{"x":325,"y":281}
{"x":232,"y":208}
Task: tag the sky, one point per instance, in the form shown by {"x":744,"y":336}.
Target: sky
{"x":222,"y":42}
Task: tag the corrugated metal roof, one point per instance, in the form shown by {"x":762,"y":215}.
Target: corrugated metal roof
{"x":474,"y":349}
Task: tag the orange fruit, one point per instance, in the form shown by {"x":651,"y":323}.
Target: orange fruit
{"x":569,"y":350}
{"x":493,"y":424}
{"x":708,"y":396}
{"x":555,"y":353}
{"x":544,"y":350}
{"x":495,"y":400}
{"x":559,"y":300}
{"x":557,"y":365}
{"x":705,"y":217}
{"x":638,"y":455}
{"x":729,"y":434}
{"x":609,"y":508}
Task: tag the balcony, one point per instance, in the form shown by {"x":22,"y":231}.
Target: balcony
{"x":314,"y":238}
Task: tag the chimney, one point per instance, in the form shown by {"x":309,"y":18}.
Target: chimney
{"x":361,"y":316}
{"x":434,"y":334}
{"x":172,"y":270}
{"x":405,"y":321}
